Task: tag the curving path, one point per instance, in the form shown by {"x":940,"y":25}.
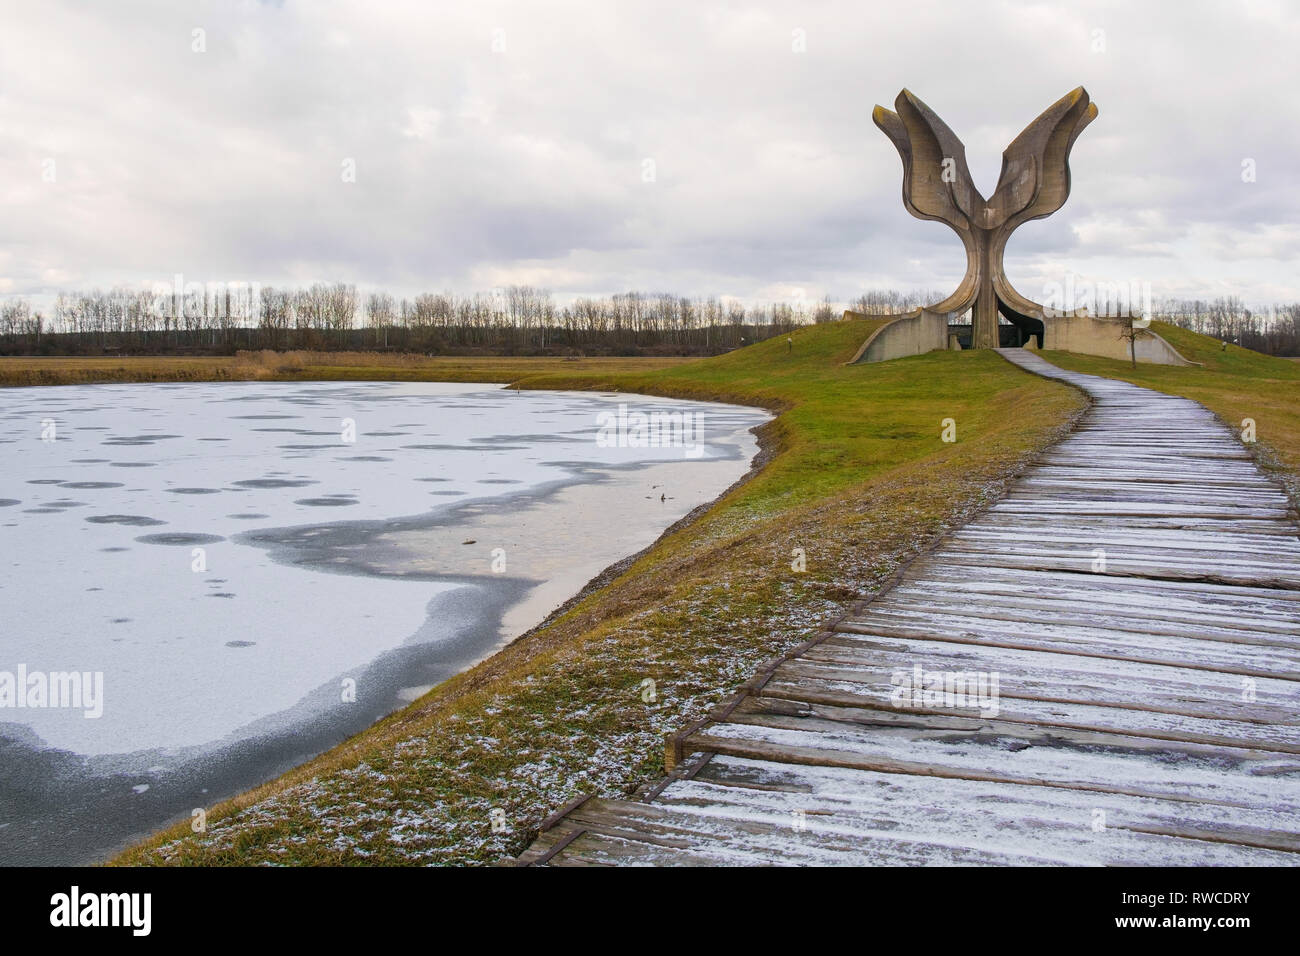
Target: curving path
{"x":1137,"y":597}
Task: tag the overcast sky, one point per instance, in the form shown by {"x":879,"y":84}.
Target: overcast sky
{"x":511,"y":142}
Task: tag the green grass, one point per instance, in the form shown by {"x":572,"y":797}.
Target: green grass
{"x":856,"y":475}
{"x":1234,"y":383}
{"x":841,"y":424}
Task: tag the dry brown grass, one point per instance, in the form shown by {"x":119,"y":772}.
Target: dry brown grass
{"x":266,"y":365}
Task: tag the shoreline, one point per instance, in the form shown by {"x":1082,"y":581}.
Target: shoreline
{"x":494,"y":611}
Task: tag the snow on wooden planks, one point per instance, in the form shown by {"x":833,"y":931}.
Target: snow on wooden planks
{"x":1136,"y":595}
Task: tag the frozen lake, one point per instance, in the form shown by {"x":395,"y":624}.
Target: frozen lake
{"x":242,"y":574}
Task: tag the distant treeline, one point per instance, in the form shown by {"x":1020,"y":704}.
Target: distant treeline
{"x":1273,"y":331}
{"x":519,"y":320}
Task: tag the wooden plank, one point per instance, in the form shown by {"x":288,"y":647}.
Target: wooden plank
{"x":983,"y":811}
{"x":1124,"y":614}
{"x":1064,"y":678}
{"x":1165,"y":542}
{"x":1264,"y":556}
{"x":851,"y":721}
{"x":1022,"y":758}
{"x":1229,"y":658}
{"x":1176,"y":477}
{"x":1085,"y":586}
{"x":1125,"y":509}
{"x":1125,"y":566}
{"x":677,"y":835}
{"x":1195,"y":642}
{"x":871,"y":703}
{"x":1028,"y":519}
{"x":896,"y":610}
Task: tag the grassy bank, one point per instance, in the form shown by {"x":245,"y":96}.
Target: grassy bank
{"x":1234,"y":383}
{"x":858,"y":478}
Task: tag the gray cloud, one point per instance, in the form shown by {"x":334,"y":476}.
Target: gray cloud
{"x":477,"y":167}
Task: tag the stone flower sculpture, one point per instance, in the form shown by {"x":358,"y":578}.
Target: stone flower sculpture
{"x":1035,"y":182}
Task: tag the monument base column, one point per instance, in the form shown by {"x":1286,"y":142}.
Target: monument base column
{"x":984,"y":314}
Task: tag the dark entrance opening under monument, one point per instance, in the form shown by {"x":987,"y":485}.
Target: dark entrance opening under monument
{"x":1013,"y":333}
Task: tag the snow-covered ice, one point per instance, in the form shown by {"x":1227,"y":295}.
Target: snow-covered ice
{"x":126,"y":548}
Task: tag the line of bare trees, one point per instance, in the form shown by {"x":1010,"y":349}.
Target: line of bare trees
{"x":518,"y":320}
{"x":1274,"y":331}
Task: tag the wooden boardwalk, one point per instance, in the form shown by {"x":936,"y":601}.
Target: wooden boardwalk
{"x":1136,"y":595}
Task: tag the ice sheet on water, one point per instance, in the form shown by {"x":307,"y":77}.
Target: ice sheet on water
{"x":118,"y":579}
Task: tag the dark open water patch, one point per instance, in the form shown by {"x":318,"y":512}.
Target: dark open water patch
{"x":132,"y":464}
{"x":330,"y":502}
{"x":179,"y":538}
{"x":559,"y":437}
{"x":247,"y":516}
{"x":91,"y":484}
{"x":272,"y":483}
{"x":466,"y":448}
{"x":134,"y":521}
{"x":137,"y":440}
{"x":195,"y":491}
{"x":9,"y":502}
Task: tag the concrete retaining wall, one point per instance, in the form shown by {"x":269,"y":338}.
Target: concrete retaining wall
{"x":912,"y":334}
{"x":924,"y":331}
{"x":1091,"y":335}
